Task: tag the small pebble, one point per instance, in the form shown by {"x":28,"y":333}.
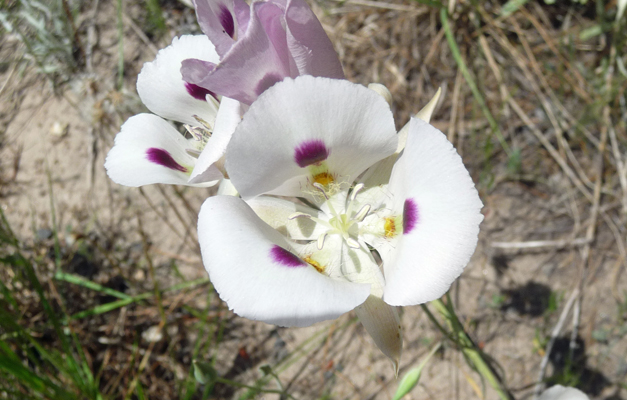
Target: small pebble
{"x":152,"y":334}
{"x":44,"y":233}
{"x":58,"y":129}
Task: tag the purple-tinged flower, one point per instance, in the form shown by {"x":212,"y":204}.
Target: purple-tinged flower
{"x":259,"y":45}
{"x":149,"y":149}
{"x":369,"y":194}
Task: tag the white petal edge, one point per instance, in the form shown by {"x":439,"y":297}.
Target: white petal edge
{"x":354,"y":123}
{"x":161,"y":87}
{"x":428,"y":258}
{"x":236,"y":250}
{"x":127,"y":162}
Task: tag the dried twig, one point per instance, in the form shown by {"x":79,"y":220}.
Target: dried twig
{"x":549,"y":347}
{"x":542,"y":243}
{"x":552,"y":151}
{"x":452,"y":122}
{"x":140,"y":34}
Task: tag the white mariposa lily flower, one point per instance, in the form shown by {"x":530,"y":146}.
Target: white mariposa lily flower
{"x":148,"y":149}
{"x":356,"y":239}
{"x":559,"y":392}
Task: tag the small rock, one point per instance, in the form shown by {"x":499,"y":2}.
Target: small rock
{"x":152,"y":334}
{"x":59,"y":129}
{"x":139,"y":275}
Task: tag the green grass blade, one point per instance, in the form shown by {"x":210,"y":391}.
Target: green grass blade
{"x":7,"y":322}
{"x":430,"y":3}
{"x":6,"y":294}
{"x":80,"y":281}
{"x":450,"y":38}
{"x":105,"y":308}
{"x":10,"y":364}
{"x":512,"y":6}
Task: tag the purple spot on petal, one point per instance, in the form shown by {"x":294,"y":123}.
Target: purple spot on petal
{"x":162,"y":157}
{"x":284,"y":257}
{"x":410,"y":216}
{"x":310,"y":152}
{"x":197,"y":92}
{"x":226,"y":19}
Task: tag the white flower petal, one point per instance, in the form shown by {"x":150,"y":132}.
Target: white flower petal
{"x":383,"y":324}
{"x":161,"y":87}
{"x":303,"y":122}
{"x":441,"y":215}
{"x":253,"y":270}
{"x":559,"y":392}
{"x":279,"y":214}
{"x":226,"y":121}
{"x":149,"y":150}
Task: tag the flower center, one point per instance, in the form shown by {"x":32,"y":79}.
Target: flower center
{"x":200,"y":136}
{"x":345,"y":222}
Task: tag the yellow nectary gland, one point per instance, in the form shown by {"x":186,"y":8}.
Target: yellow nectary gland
{"x":391,"y":226}
{"x":320,"y":174}
{"x":314,"y":263}
{"x":323,"y":178}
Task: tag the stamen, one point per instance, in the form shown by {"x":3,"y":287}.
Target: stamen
{"x":356,"y":190}
{"x":321,"y":239}
{"x":299,"y":215}
{"x":362,"y":213}
{"x":199,"y":134}
{"x":352,"y":243}
{"x":202,"y":122}
{"x":193,"y":153}
{"x":314,"y":219}
{"x":321,"y":189}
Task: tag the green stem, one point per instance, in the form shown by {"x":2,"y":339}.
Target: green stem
{"x":468,"y":347}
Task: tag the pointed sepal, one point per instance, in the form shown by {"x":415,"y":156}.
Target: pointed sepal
{"x":384,"y":325}
{"x":427,"y":111}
